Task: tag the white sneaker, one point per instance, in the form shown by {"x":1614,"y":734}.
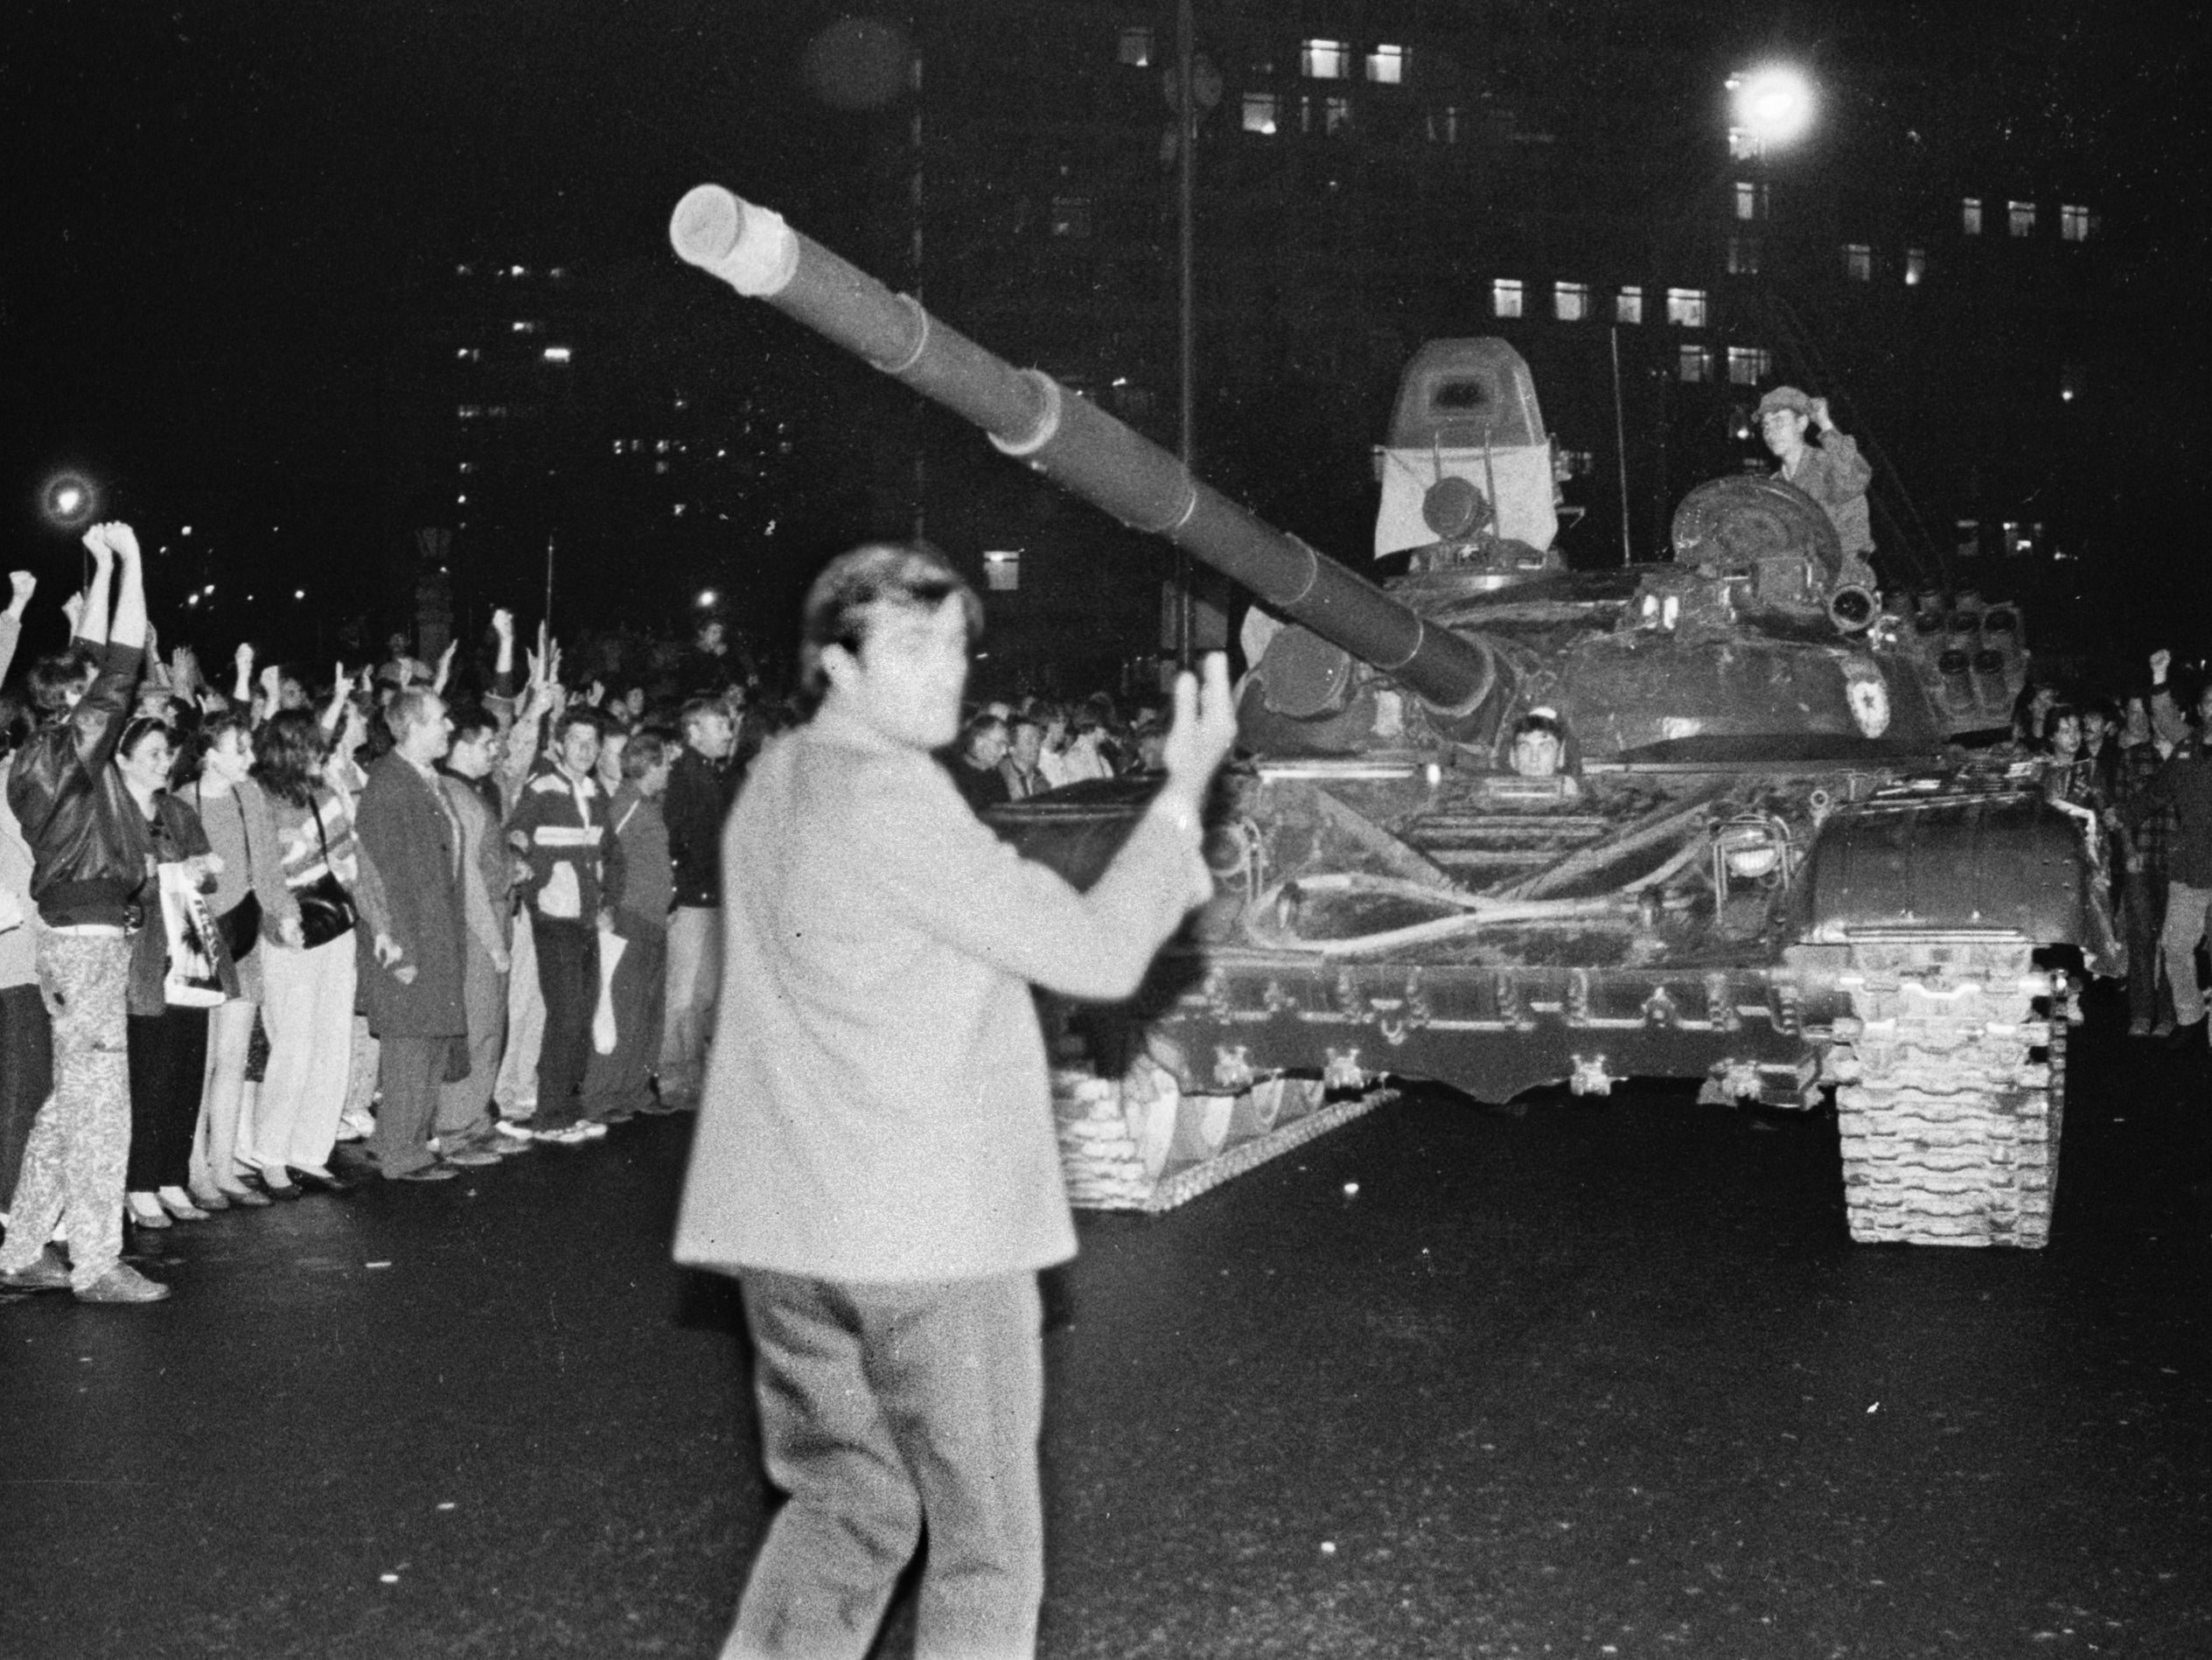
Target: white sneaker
{"x":567,"y":1135}
{"x":515,"y":1132}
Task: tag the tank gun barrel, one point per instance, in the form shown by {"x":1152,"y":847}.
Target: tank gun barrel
{"x":1029,"y":415}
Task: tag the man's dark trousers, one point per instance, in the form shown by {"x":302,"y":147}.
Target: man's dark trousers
{"x":885,"y":1406}
{"x":568,"y":978}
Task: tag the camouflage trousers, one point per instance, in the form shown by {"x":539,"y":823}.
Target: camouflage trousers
{"x":74,"y":1163}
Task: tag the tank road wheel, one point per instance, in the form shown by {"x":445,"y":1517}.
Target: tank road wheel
{"x":1950,"y":1078}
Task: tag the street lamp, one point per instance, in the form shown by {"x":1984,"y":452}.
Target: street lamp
{"x":1772,"y":106}
{"x":69,"y":500}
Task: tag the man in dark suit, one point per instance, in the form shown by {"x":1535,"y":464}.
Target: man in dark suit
{"x":414,"y":949}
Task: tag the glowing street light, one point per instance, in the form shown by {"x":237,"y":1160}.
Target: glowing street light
{"x":1772,"y":106}
{"x":69,"y":500}
{"x":708,"y":598}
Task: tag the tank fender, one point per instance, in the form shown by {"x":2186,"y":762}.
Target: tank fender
{"x":2008,"y":863}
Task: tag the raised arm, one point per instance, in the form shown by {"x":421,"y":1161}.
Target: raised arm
{"x":91,"y":623}
{"x":130,"y":627}
{"x":12,"y":619}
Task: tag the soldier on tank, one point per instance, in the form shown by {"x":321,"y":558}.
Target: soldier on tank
{"x":1833,"y":472}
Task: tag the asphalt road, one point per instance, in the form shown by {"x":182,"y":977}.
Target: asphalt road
{"x":1597,"y":1379}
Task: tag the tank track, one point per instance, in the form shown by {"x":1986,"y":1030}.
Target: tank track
{"x":1138,"y":1143}
{"x":1951,"y":1076}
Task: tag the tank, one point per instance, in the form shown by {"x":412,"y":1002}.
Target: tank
{"x":1502,"y":823}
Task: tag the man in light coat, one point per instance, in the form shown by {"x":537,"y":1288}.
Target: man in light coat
{"x":876,"y":1160}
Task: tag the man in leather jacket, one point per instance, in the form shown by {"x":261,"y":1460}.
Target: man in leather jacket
{"x":91,"y":869}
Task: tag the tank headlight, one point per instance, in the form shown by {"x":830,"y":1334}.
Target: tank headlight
{"x":1751,"y":862}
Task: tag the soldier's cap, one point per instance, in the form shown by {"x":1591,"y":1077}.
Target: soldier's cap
{"x":1783,"y":398}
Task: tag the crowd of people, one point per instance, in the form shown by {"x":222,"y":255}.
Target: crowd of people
{"x":451,"y":924}
{"x":449,"y":912}
{"x":2136,"y":769}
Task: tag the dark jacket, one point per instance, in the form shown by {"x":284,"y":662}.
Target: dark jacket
{"x":561,"y":825}
{"x":411,"y":890}
{"x":699,"y":793}
{"x":90,"y":848}
{"x":2184,"y":784}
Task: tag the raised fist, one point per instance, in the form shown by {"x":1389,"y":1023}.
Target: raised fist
{"x":244,"y":656}
{"x":2161,"y":660}
{"x":24,"y":585}
{"x":96,"y":544}
{"x":502,"y":624}
{"x":122,"y":539}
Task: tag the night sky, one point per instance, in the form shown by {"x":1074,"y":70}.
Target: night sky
{"x":212,"y":204}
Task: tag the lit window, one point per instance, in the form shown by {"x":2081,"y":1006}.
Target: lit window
{"x":1970,"y":215}
{"x":662,"y":448}
{"x":468,"y":354}
{"x":2073,"y":223}
{"x":1386,"y":65}
{"x":1136,"y":46}
{"x":1505,"y":296}
{"x":1570,"y":301}
{"x":1336,"y":116}
{"x":617,"y":444}
{"x":1743,"y":256}
{"x":1627,"y":305}
{"x":1748,"y":365}
{"x":1751,"y":199}
{"x":470,"y":411}
{"x":1858,"y":261}
{"x":557,"y":354}
{"x":1443,"y":125}
{"x":1002,"y":570}
{"x":1695,"y":363}
{"x":498,"y":412}
{"x":1070,"y":216}
{"x":559,"y":274}
{"x":1743,"y":143}
{"x":1260,"y":112}
{"x":678,"y":509}
{"x":467,"y":466}
{"x":2019,"y":218}
{"x":1915,"y":266}
{"x":465,"y":270}
{"x":2072,"y":382}
{"x":1687,"y":307}
{"x":1324,"y":59}
{"x":527,"y":326}
{"x":660,"y":466}
{"x":519,"y":270}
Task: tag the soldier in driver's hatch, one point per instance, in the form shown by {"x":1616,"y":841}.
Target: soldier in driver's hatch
{"x":1833,"y":472}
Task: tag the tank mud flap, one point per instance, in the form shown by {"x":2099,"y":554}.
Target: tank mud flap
{"x":1951,"y":1076}
{"x":1139,"y":1142}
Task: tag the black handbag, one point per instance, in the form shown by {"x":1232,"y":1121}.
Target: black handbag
{"x":326,"y":910}
{"x":240,"y":926}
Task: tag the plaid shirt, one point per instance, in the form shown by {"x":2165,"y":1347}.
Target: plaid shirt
{"x":2146,"y":839}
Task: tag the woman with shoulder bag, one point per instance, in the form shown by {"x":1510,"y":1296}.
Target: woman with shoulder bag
{"x":251,"y":906}
{"x":308,"y":988}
